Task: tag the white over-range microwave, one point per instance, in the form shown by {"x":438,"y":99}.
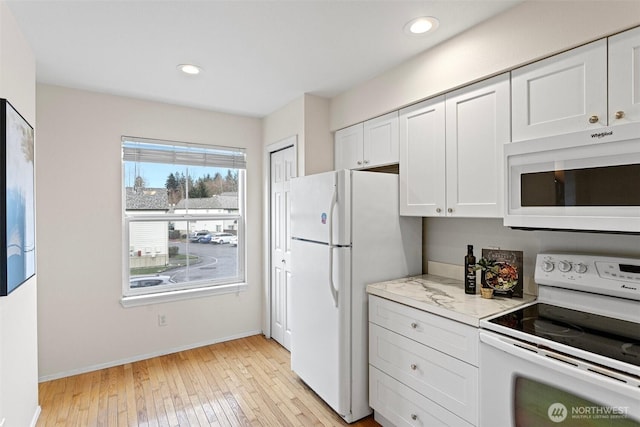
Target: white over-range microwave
{"x":588,"y":180}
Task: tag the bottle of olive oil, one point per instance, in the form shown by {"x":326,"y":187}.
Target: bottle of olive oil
{"x":470,"y":271}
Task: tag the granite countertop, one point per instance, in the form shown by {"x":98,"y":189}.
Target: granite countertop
{"x":445,"y":297}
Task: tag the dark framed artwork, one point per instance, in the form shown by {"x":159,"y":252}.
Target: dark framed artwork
{"x":17,"y":234}
{"x":502,"y":271}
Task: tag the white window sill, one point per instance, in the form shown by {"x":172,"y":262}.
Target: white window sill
{"x":170,"y":296}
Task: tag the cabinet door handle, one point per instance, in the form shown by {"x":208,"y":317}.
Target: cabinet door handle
{"x":619,"y":115}
{"x":438,"y":210}
{"x":450,"y":210}
{"x":413,"y":366}
{"x":593,"y":119}
{"x":414,"y":417}
{"x":359,"y":162}
{"x":414,"y":325}
{"x":366,"y":162}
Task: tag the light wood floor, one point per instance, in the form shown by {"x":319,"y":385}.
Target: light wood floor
{"x":245,"y":382}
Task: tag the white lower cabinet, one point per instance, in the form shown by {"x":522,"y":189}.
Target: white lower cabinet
{"x":414,"y":378}
{"x":402,"y":406}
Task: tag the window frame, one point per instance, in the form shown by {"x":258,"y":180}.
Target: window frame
{"x":195,"y":288}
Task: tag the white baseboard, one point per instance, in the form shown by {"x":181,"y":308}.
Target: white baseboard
{"x":34,"y":419}
{"x":36,"y":415}
{"x":142,"y":357}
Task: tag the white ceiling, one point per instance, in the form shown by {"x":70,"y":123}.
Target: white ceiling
{"x":257,"y":55}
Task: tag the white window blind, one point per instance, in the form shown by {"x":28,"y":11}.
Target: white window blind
{"x":156,"y":151}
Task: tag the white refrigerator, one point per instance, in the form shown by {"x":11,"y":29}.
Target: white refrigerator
{"x":346,"y":233}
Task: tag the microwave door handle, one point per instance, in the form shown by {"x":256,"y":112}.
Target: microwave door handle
{"x":334,"y":291}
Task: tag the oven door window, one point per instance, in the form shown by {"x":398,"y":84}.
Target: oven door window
{"x":541,"y":405}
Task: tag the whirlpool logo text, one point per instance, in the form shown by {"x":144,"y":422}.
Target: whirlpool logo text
{"x":601,"y":134}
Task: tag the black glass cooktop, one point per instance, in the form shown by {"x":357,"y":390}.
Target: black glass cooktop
{"x":606,"y":336}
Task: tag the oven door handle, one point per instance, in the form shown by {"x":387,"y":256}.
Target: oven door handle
{"x":510,"y":346}
{"x":561,"y":363}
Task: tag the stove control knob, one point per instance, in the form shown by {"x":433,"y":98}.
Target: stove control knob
{"x":564,"y":266}
{"x":580,"y":268}
{"x":547,"y":266}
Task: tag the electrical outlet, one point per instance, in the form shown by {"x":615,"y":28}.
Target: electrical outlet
{"x":162,"y":320}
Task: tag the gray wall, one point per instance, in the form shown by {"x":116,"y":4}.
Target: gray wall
{"x":446,"y":241}
{"x":18,"y":311}
{"x":82,"y":325}
{"x":527,"y":32}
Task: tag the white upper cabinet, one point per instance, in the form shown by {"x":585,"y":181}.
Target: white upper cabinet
{"x":624,"y":77}
{"x":477,"y":127}
{"x":370,"y":144}
{"x":589,"y":87}
{"x":348,"y":147}
{"x":422,"y":158}
{"x":380,"y":143}
{"x":451,"y":152}
{"x":561,"y":94}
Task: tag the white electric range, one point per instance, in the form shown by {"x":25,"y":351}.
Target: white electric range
{"x":572,"y":358}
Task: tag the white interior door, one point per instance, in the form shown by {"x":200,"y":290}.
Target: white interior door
{"x":283,"y":168}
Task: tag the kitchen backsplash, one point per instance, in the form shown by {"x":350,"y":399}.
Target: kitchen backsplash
{"x":457,"y":272}
{"x":445,"y":240}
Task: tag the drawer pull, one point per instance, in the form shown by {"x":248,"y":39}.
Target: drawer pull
{"x":414,"y":417}
{"x":414,"y":366}
{"x":414,"y":325}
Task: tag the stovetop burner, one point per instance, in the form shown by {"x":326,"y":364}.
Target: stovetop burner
{"x":606,"y":336}
{"x":556,"y":329}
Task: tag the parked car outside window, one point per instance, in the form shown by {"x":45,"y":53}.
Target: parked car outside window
{"x":205,"y":239}
{"x":145,"y":281}
{"x":233,"y":241}
{"x":196,"y":236}
{"x":220,"y":238}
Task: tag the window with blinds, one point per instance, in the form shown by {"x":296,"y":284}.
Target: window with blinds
{"x":184,"y":217}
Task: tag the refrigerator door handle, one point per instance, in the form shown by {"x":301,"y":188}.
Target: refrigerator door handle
{"x":334,"y":291}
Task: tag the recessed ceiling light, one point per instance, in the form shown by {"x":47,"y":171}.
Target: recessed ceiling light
{"x":189,"y":69}
{"x":421,"y":25}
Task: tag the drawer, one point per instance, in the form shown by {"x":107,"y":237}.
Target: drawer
{"x":404,"y":407}
{"x":445,"y":335}
{"x":443,"y":379}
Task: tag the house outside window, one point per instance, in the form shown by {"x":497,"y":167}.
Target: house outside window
{"x":184,"y":218}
